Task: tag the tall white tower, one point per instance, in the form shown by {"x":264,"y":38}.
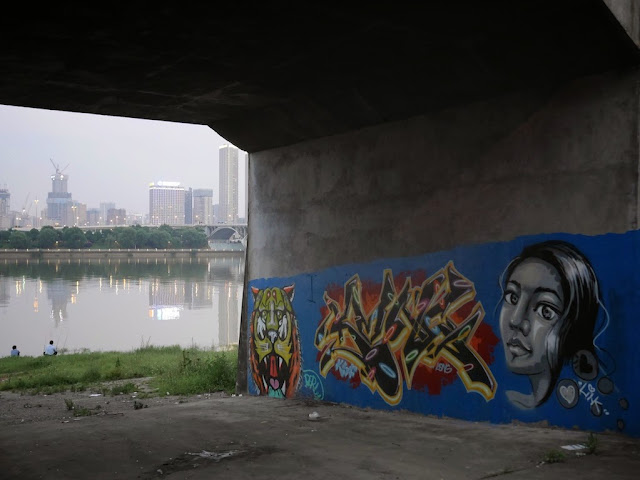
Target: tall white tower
{"x":228,"y":200}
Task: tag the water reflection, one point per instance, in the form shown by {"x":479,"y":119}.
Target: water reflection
{"x":120,"y":304}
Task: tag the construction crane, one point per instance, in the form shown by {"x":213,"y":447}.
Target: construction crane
{"x":24,"y":211}
{"x":57,"y":167}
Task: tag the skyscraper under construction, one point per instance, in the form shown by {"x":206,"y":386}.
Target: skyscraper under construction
{"x":59,"y":201}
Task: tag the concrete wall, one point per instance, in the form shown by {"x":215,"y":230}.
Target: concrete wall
{"x":627,"y":12}
{"x":534,"y":162}
{"x":341,"y":225}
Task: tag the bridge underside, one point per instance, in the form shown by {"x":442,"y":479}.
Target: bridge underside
{"x":412,"y":140}
{"x":277,"y":74}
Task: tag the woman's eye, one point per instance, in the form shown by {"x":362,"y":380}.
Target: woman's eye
{"x":546,"y":312}
{"x":511,"y":298}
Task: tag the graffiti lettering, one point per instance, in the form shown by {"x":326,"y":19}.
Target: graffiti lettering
{"x":346,"y":370}
{"x":417,"y":325}
{"x":588,"y":391}
{"x":313,"y":384}
{"x":443,"y":367}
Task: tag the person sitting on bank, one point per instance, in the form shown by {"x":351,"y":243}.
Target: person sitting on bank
{"x":50,"y":349}
{"x":15,"y":352}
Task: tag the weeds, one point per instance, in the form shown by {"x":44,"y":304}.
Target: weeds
{"x":81,"y":412}
{"x":200,"y":372}
{"x":592,"y":444}
{"x":128,"y":387}
{"x":553,"y":456}
{"x":78,"y":411}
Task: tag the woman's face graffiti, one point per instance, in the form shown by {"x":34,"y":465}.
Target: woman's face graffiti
{"x":533,"y":303}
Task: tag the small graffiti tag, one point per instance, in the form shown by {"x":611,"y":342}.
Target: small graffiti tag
{"x":431,"y":324}
{"x":589,"y":392}
{"x":312,"y":385}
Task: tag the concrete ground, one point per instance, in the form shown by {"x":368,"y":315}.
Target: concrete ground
{"x":245,"y":437}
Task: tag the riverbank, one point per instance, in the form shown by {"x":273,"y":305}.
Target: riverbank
{"x":181,"y":371}
{"x":10,"y":255}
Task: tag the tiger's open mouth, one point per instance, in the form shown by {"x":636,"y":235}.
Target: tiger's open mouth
{"x":274,"y":372}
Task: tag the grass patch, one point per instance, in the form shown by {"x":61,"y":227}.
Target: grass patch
{"x":554,"y":456}
{"x":82,"y":412}
{"x":173,"y":369}
{"x":200,"y":372}
{"x":592,"y":444}
{"x":128,"y":387}
{"x":77,"y":410}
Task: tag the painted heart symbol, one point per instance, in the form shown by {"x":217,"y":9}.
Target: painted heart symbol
{"x":568,"y":393}
{"x":275,"y":383}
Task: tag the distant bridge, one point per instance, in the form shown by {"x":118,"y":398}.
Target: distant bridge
{"x":233,"y":232}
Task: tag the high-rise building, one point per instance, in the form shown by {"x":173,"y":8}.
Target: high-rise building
{"x":59,"y":201}
{"x":104,"y":212}
{"x":228,"y":155}
{"x":93,"y":216}
{"x":203,"y":206}
{"x":5,"y":201}
{"x":135,"y":218}
{"x":166,"y":203}
{"x":79,"y":213}
{"x":188,"y":207}
{"x":116,"y":216}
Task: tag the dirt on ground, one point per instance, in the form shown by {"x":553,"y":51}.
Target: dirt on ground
{"x":20,"y":408}
{"x":95,"y":435}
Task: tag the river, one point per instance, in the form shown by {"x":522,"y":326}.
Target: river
{"x":120,"y":304}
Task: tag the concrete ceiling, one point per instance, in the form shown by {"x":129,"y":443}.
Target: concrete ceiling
{"x":273,"y":74}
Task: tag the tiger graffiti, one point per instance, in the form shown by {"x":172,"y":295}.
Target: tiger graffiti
{"x":418,"y":325}
{"x":273,"y":342}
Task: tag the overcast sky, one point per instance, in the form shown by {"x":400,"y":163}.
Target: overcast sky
{"x":110,"y":159}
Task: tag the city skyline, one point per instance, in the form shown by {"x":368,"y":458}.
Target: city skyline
{"x":107,"y":159}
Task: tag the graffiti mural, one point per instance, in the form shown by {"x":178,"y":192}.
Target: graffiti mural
{"x":274,"y":345}
{"x":549,"y":309}
{"x":431,"y":325}
{"x":549,"y":313}
{"x":556,"y":345}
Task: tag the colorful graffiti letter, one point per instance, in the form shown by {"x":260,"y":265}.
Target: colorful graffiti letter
{"x":273,"y":342}
{"x":418,"y":325}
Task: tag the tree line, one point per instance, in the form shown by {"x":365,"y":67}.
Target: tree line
{"x":132,"y":237}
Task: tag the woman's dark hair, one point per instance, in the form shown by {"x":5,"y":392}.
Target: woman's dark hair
{"x":574,"y":331}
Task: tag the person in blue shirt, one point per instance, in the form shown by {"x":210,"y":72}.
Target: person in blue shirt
{"x":50,"y":349}
{"x":15,"y":352}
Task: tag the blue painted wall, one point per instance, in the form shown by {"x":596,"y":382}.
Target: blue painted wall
{"x":470,"y":377}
